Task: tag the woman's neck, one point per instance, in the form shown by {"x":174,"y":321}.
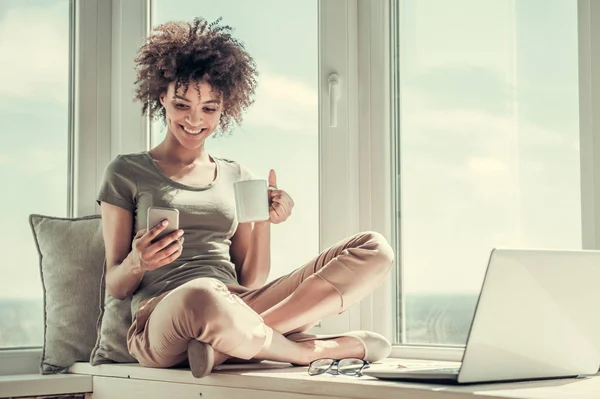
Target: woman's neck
{"x":172,"y":151}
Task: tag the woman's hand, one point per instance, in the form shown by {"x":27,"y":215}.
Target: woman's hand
{"x":280,"y":202}
{"x":146,"y":255}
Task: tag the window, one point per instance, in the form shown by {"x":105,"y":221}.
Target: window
{"x":34,"y":96}
{"x":487,"y":149}
{"x":281,"y":129}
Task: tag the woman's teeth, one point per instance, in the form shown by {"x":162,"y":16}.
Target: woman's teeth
{"x":191,"y":131}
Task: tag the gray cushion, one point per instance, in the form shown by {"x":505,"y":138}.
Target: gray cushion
{"x":114,"y":321}
{"x":71,"y":255}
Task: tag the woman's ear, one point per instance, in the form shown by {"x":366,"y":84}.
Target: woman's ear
{"x":162,"y":99}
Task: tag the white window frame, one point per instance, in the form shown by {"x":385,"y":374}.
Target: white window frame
{"x":338,"y":145}
{"x":376,"y":180}
{"x":356,"y":179}
{"x":92,"y":100}
{"x":131,"y":25}
{"x":589,"y":120}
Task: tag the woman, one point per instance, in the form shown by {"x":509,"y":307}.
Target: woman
{"x":204,"y":299}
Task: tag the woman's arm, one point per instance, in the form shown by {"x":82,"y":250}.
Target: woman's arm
{"x":251,"y":253}
{"x":122,"y":279}
{"x":251,"y":244}
{"x":127,"y":259}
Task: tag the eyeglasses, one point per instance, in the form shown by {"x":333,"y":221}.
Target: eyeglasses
{"x":347,"y":366}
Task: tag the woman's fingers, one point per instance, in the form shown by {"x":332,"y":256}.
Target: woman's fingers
{"x":166,"y":255}
{"x":281,"y":201}
{"x":153,"y":255}
{"x":283,"y":198}
{"x":278,"y":213}
{"x":151,"y":234}
{"x":169,"y":251}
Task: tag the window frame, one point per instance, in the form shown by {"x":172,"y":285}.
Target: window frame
{"x":92,"y":100}
{"x":377,"y":180}
{"x":130,"y":26}
{"x":588,"y":15}
{"x":338,"y":145}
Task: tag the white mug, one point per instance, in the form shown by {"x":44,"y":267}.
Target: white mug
{"x":251,"y":200}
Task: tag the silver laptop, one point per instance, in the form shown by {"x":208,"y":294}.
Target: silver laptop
{"x":536,"y":317}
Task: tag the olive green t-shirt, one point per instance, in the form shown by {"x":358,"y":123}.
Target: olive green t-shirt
{"x":206,"y":215}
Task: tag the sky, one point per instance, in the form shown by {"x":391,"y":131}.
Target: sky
{"x":489,"y":135}
{"x":489,"y":150}
{"x":33,"y":111}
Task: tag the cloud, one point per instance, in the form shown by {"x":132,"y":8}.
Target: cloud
{"x":284,"y":103}
{"x":34,"y":42}
{"x":496,"y":131}
{"x":6,"y":159}
{"x":479,"y":150}
{"x":488,"y":167}
{"x":41,"y":160}
{"x":34,"y":161}
{"x":473,"y":180}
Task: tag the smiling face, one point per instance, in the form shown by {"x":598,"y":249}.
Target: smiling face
{"x":193,"y":116}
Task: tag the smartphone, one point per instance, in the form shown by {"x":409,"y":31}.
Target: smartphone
{"x":157,"y":214}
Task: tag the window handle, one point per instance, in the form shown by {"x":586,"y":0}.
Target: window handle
{"x":334,"y":96}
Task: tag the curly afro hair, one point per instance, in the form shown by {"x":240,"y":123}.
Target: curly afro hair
{"x":182,"y":52}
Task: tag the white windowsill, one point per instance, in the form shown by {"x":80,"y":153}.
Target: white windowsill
{"x":284,"y":381}
{"x":295,"y":382}
{"x":37,"y":384}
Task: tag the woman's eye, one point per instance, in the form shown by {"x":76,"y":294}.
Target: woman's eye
{"x":181,"y":106}
{"x":209,"y":109}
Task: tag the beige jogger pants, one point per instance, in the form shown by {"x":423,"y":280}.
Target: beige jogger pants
{"x":227,"y":317}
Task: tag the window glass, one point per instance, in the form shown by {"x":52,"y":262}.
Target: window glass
{"x":34,"y":87}
{"x":488,"y":148}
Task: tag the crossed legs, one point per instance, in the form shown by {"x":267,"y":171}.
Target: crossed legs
{"x":253,"y":324}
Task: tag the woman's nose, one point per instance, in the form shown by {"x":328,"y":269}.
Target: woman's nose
{"x":194,"y":118}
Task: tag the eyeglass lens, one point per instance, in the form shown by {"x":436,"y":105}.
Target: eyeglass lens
{"x":348,"y":366}
{"x":320,"y":366}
